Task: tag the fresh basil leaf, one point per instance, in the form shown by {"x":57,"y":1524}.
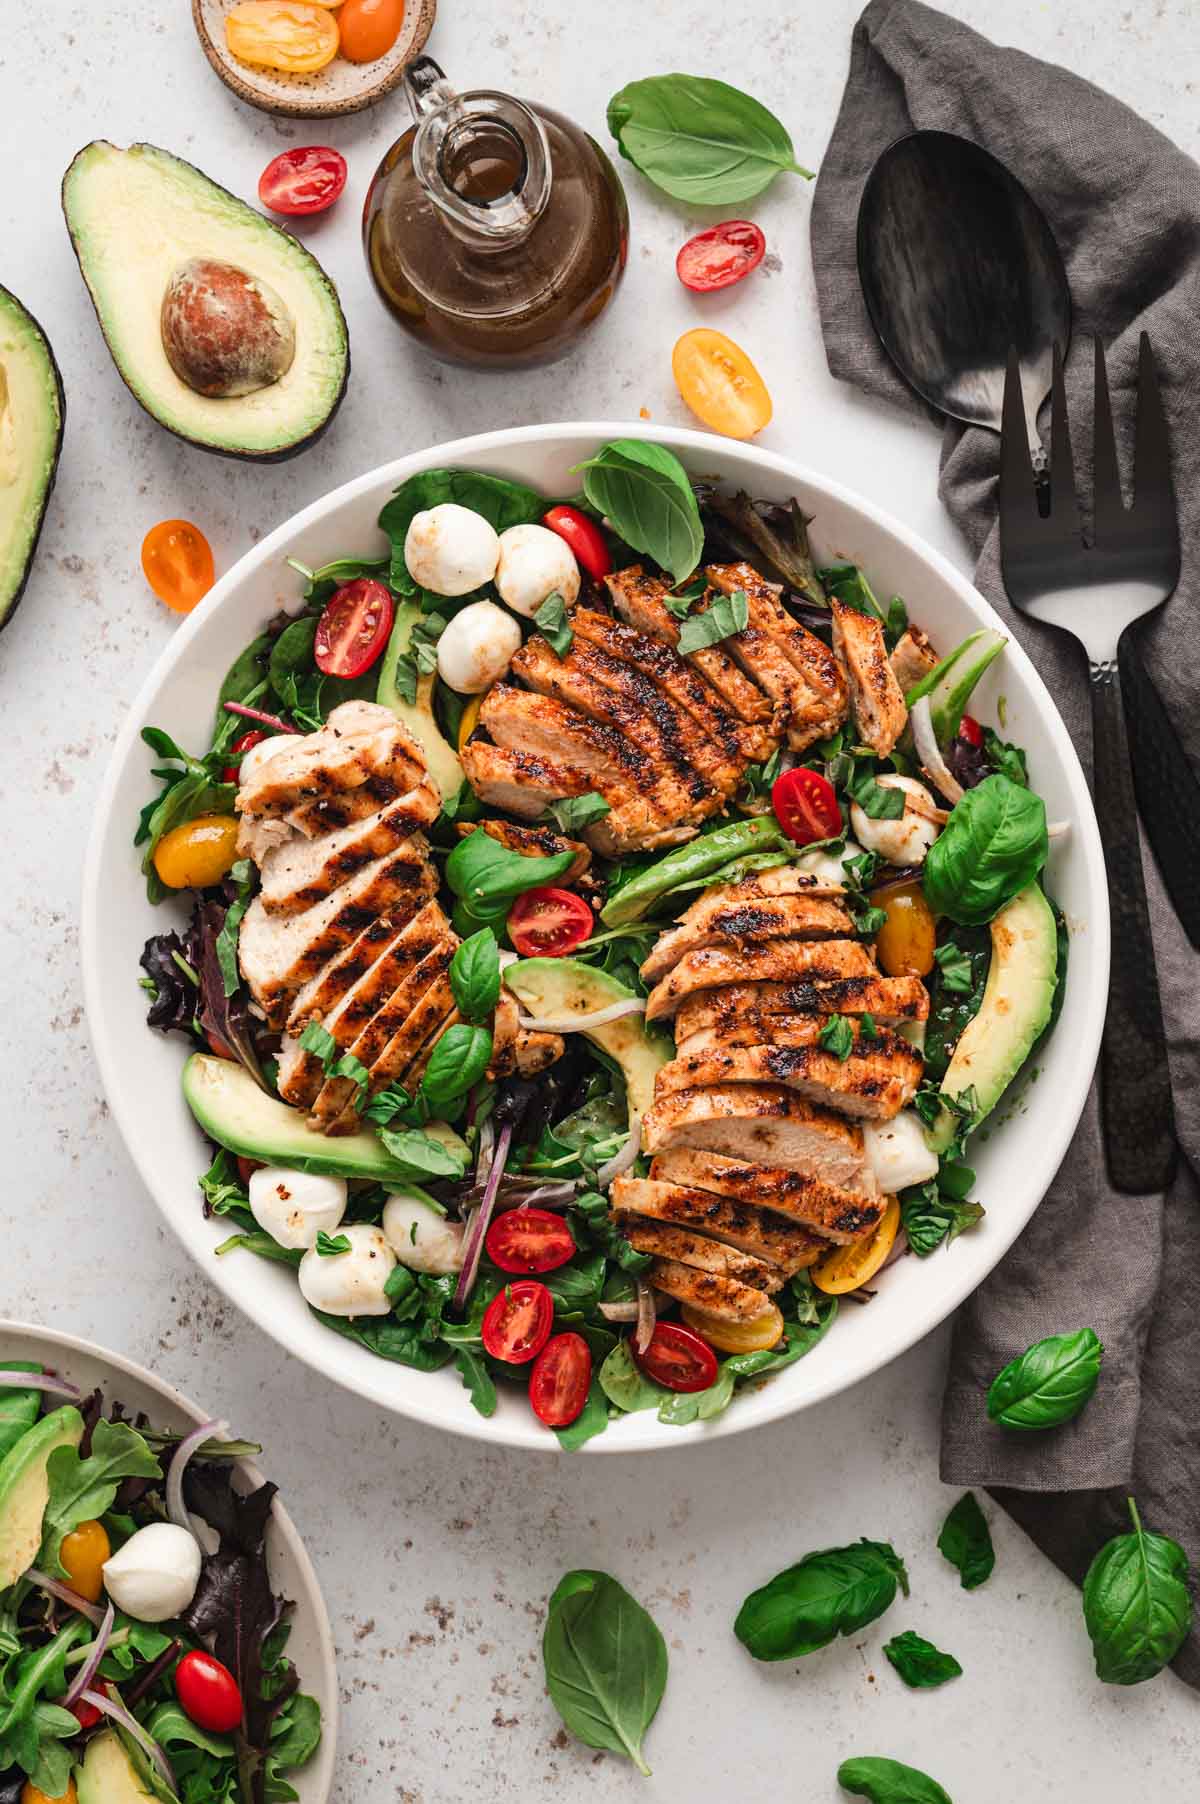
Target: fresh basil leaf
{"x":1136,"y":1604}
{"x":952,"y":1010}
{"x":700,"y":140}
{"x":475,"y":976}
{"x":884,"y":1781}
{"x":573,"y":813}
{"x":966,"y":1541}
{"x":1047,"y":1384}
{"x":682,"y":599}
{"x":645,"y":493}
{"x":477,"y":1380}
{"x":422,"y":1155}
{"x":991,"y":848}
{"x":895,"y":622}
{"x":319,"y":1041}
{"x":834,"y":1592}
{"x":867,"y":1030}
{"x":459,"y":1060}
{"x":878,"y":802}
{"x":501,"y":503}
{"x":605,"y":1662}
{"x":489,"y":876}
{"x":1008,"y":759}
{"x":349,"y":1066}
{"x":955,"y":967}
{"x":724,"y":615}
{"x":837,"y":1037}
{"x":330,"y":1244}
{"x":552,"y":622}
{"x":932,"y":1217}
{"x":860,"y":870}
{"x":245,"y":878}
{"x":921,"y":1665}
{"x":81,"y":1489}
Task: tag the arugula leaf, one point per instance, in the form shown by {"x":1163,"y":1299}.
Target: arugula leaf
{"x":884,"y":1781}
{"x":837,"y":1037}
{"x":966,"y":1541}
{"x":591,"y":1420}
{"x":551,"y":621}
{"x":834,"y":1592}
{"x":477,"y":1380}
{"x":383,"y":1335}
{"x":254,"y":1240}
{"x":475,"y":976}
{"x":458,"y":1061}
{"x":83,"y":1488}
{"x":991,"y":848}
{"x":700,"y":140}
{"x":1047,"y":1384}
{"x":645,"y":492}
{"x":724,"y":615}
{"x":575,"y":812}
{"x":501,"y":503}
{"x":921,"y":1665}
{"x":605,"y":1662}
{"x":1136,"y":1604}
{"x":330,"y":1244}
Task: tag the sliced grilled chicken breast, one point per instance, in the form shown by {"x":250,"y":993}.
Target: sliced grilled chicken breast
{"x":873,"y":1084}
{"x":521,"y":783}
{"x":736,"y":1005}
{"x":429,"y":1006}
{"x":305,"y":871}
{"x":877,"y":697}
{"x":318,"y":996}
{"x":755,"y":1029}
{"x":821,"y":702}
{"x":833,"y":1210}
{"x":359,"y":745}
{"x":913,"y":657}
{"x":516,"y":1048}
{"x":701,"y":1253}
{"x":716,"y":1295}
{"x":763,"y":1124}
{"x":743,"y":1225}
{"x":753,"y":921}
{"x":780,"y":880}
{"x":538,"y":842}
{"x":768,"y":961}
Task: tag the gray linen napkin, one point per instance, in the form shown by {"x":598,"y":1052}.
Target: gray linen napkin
{"x":1124,"y":204}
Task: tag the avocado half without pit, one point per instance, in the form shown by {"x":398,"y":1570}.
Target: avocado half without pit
{"x":32,"y":410}
{"x":223,"y":326}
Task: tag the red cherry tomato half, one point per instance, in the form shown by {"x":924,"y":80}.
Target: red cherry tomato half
{"x":677,"y":1358}
{"x":354,"y":629}
{"x":303,"y":181}
{"x":548,"y":923}
{"x":238,"y":751}
{"x":86,"y":1715}
{"x":584,"y":537}
{"x":805,"y":806}
{"x":721,"y":256}
{"x":246,"y":1168}
{"x":559,"y":1381}
{"x":970,"y":730}
{"x":529,"y":1240}
{"x":517,"y":1322}
{"x":208,"y":1692}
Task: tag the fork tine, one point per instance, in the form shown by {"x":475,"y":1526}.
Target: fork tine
{"x":1154,"y":492}
{"x":1109,"y":503}
{"x":1018,"y":499}
{"x":1064,"y":502}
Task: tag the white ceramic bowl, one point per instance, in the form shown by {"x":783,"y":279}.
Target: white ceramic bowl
{"x":310,"y":1644}
{"x":141,"y":1071}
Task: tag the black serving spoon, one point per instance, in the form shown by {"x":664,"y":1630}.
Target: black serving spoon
{"x":958,"y":263}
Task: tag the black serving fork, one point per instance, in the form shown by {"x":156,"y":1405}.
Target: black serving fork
{"x":1095,"y":592}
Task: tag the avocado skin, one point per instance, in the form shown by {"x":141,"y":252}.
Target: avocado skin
{"x":282,"y":453}
{"x":8,"y":608}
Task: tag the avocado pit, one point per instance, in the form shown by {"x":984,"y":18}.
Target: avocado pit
{"x":225,"y":332}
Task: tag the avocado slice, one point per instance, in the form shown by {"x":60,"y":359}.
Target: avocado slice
{"x":555,"y":988}
{"x":1017,"y":1002}
{"x":32,"y":411}
{"x":445,"y":766}
{"x":108,"y":1775}
{"x":235,"y":1113}
{"x":25,"y":1489}
{"x":135,"y":216}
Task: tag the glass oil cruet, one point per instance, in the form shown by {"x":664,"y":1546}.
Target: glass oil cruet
{"x":495,"y":231}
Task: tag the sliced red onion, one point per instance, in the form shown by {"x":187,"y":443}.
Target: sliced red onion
{"x":620,"y":1312}
{"x":478,"y":1227}
{"x":487,"y":1146}
{"x":542,"y":1196}
{"x":65,"y":1595}
{"x":111,"y":1706}
{"x":621,"y":1162}
{"x":647,"y":1315}
{"x":930,"y":752}
{"x":87,"y":1671}
{"x":267,"y":720}
{"x":578,"y":1024}
{"x":176,"y":1508}
{"x":38,"y":1381}
{"x":788,"y":760}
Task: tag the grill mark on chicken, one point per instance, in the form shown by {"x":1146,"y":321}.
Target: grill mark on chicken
{"x":759,"y":961}
{"x":540,"y":842}
{"x":701,"y":1253}
{"x":830,"y":1210}
{"x":410,"y":1019}
{"x":740,"y":1224}
{"x":716,"y":1295}
{"x":873,"y":1083}
{"x":785,"y":917}
{"x":762,"y":886}
{"x":511,"y":716}
{"x":879,"y":708}
{"x":791,"y":663}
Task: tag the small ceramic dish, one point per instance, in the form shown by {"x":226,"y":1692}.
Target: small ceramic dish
{"x":341,"y":87}
{"x":310,"y":1644}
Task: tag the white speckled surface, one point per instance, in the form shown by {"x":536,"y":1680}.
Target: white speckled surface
{"x":437,"y":1556}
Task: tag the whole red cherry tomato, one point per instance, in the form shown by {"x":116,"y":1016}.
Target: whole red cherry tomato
{"x":86,"y":1715}
{"x":237,"y":751}
{"x":721,"y":256}
{"x":806,"y":806}
{"x":517,"y":1322}
{"x":677,"y":1358}
{"x":529,"y":1240}
{"x":306,"y":180}
{"x":353,"y":632}
{"x":970,"y":730}
{"x":559,"y":1381}
{"x":548,"y":923}
{"x":585,"y":538}
{"x":208,"y":1692}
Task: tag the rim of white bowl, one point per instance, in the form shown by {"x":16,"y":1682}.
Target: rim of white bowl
{"x":774,"y":1398}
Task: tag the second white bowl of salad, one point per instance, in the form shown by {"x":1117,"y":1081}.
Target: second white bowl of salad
{"x":575,"y":907}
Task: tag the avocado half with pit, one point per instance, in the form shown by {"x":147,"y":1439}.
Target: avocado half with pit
{"x":32,"y":411}
{"x":186,"y":278}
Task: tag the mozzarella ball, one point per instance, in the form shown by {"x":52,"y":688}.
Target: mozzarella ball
{"x":262,"y":753}
{"x":534,"y":562}
{"x":907,"y":839}
{"x":422,"y":1239}
{"x":451,"y":549}
{"x":827,"y":866}
{"x":154,"y":1576}
{"x":293,"y":1207}
{"x":349,"y":1283}
{"x":477,"y":647}
{"x":898,"y":1152}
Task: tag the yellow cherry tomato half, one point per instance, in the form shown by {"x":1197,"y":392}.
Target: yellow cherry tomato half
{"x":907,"y":938}
{"x":470,"y":720}
{"x":177,"y":562}
{"x":369,"y":28}
{"x":851,"y":1266}
{"x":33,"y":1794}
{"x":83,"y":1553}
{"x":198,"y":853}
{"x":282,"y":34}
{"x":720,"y":384}
{"x":736,"y":1337}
